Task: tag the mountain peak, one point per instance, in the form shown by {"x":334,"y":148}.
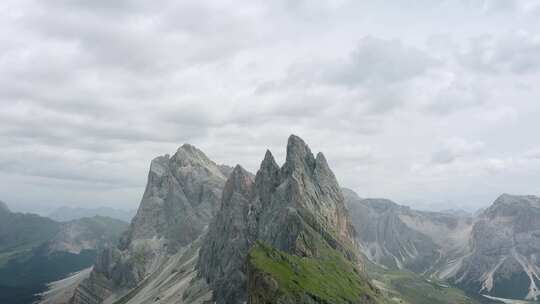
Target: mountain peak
{"x":297,"y":146}
{"x":188,"y":152}
{"x":269,"y":163}
{"x":240,"y":181}
{"x":299,"y":156}
{"x":267,"y":178}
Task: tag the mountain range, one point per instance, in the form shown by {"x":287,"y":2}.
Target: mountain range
{"x":211,"y":233}
{"x":494,"y":253}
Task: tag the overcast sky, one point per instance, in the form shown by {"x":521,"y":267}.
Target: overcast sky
{"x":434,"y":104}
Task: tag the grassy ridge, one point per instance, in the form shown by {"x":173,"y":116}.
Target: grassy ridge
{"x":329,"y":279}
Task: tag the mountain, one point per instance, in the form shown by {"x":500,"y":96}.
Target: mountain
{"x":495,"y":253}
{"x":23,"y":231}
{"x":207,"y":233}
{"x":399,"y":237}
{"x":66,"y":214}
{"x":503,"y":259}
{"x":156,"y":257}
{"x":284,"y":236}
{"x":36,"y":250}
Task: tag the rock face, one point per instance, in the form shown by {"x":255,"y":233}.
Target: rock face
{"x":401,"y":238}
{"x":496,"y":252}
{"x":182,"y":195}
{"x":297,"y":209}
{"x":504,"y":255}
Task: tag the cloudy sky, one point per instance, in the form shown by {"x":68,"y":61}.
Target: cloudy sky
{"x":434,"y":104}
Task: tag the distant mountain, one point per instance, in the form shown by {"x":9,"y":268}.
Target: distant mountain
{"x":35,"y":250}
{"x":503,"y":259}
{"x":23,"y":231}
{"x":92,"y":233}
{"x":65,"y":213}
{"x":399,"y":237}
{"x":496,"y":252}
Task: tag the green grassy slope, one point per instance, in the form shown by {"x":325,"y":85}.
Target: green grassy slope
{"x":329,"y":279}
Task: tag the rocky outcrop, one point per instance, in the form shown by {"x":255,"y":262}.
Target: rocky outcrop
{"x":182,"y":195}
{"x":297,"y":209}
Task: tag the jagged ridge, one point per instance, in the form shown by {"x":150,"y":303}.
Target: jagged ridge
{"x":297,"y":209}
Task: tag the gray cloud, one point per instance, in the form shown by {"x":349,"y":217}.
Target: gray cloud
{"x":91,"y":91}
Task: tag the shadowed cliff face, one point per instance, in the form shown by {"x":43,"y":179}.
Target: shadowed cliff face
{"x":297,"y":209}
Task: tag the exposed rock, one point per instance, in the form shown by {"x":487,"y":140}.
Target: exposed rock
{"x":496,"y":253}
{"x":230,"y":236}
{"x":181,"y":197}
{"x":504,"y":256}
{"x":401,"y":238}
{"x":297,"y":209}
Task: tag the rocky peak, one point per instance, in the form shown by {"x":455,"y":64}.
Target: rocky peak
{"x":183,"y":194}
{"x":240,"y":181}
{"x":299,"y":157}
{"x":181,"y":197}
{"x":267,"y":178}
{"x":298,"y":209}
